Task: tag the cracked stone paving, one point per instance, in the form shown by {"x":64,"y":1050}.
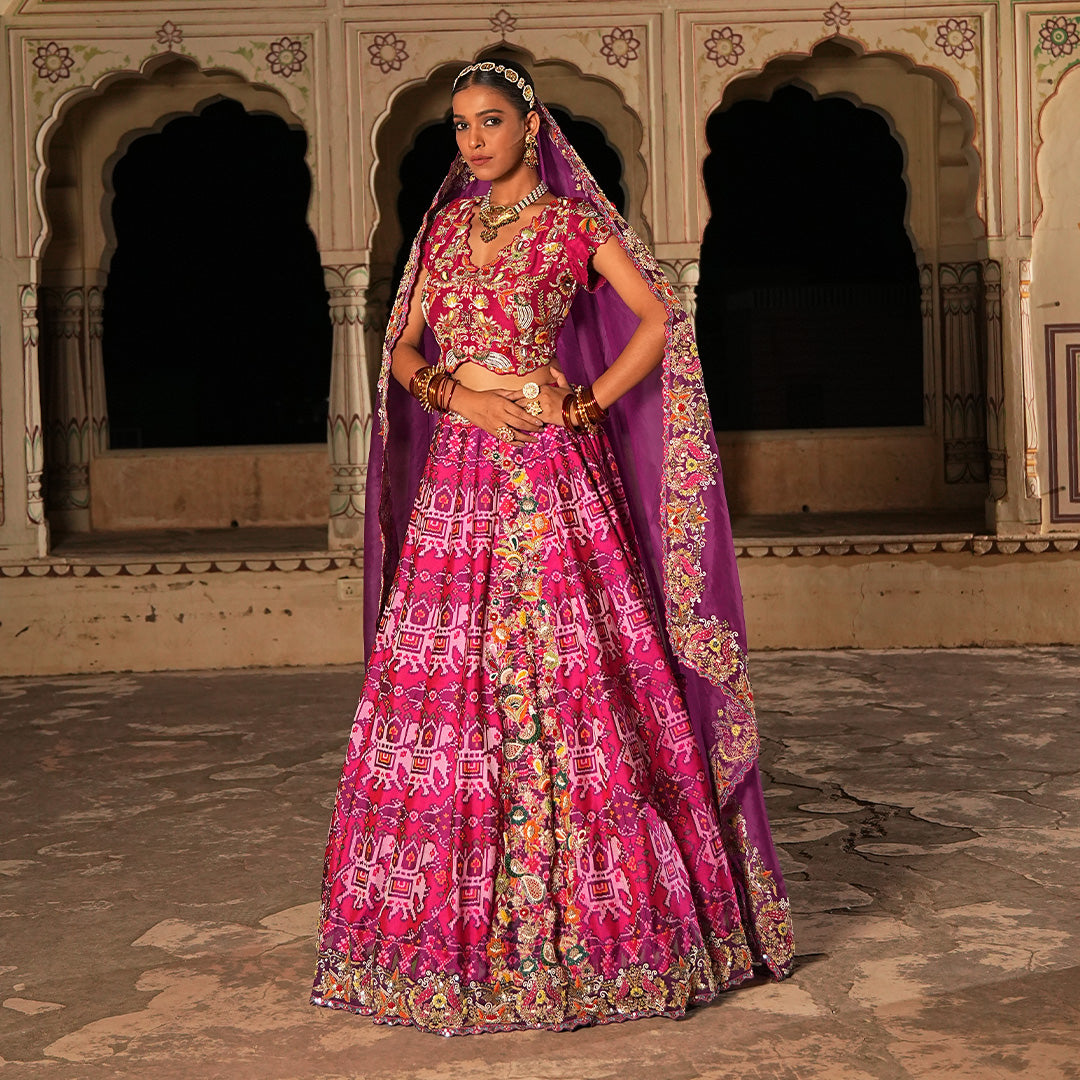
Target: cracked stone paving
{"x":162,"y":847}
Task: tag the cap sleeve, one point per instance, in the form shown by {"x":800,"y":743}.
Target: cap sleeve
{"x":585,"y":232}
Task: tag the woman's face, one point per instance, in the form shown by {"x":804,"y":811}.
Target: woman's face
{"x":490,"y":131}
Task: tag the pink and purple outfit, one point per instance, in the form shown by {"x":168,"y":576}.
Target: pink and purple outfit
{"x":533,"y":828}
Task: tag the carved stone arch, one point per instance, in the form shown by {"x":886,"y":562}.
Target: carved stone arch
{"x":936,"y":119}
{"x":1053,"y":106}
{"x":100,"y":126}
{"x":283,"y":97}
{"x":865,"y":83}
{"x":91,"y":129}
{"x":959,"y":86}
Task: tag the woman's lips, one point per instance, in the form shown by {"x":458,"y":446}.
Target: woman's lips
{"x":479,"y":161}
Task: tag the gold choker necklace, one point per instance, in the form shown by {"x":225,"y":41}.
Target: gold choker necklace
{"x":493,"y":218}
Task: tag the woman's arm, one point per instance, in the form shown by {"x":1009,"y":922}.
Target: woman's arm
{"x":406,"y":359}
{"x":645,"y":349}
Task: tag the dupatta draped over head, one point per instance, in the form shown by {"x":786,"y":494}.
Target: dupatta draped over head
{"x":662,"y":437}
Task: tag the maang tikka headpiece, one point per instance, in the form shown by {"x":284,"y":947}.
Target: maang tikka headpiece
{"x":509,"y":74}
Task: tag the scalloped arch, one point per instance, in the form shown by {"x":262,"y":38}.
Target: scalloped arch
{"x":907,"y":65}
{"x":145,"y":72}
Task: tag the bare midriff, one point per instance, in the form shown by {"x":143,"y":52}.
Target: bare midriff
{"x":478,"y":377}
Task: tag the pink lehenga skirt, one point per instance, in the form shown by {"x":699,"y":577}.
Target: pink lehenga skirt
{"x":524,"y":834}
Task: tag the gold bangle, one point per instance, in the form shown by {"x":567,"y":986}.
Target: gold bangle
{"x":420,"y":383}
{"x":585,"y":415}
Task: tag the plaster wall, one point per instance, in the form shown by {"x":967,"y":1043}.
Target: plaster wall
{"x":236,"y":616}
{"x":212,"y":487}
{"x":780,"y":472}
{"x":1055,"y":303}
{"x":216,"y":620}
{"x":936,"y":600}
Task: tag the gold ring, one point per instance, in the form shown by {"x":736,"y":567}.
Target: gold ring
{"x":533,"y":408}
{"x":505,"y":433}
{"x":531,"y":390}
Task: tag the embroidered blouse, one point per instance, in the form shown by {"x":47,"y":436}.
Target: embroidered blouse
{"x":506,"y":315}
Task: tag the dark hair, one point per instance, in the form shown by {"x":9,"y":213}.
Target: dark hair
{"x":509,"y":77}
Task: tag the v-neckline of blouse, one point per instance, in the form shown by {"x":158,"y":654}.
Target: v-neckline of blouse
{"x":467,"y":230}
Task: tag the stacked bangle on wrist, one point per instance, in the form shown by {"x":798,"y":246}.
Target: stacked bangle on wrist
{"x":589,"y":413}
{"x":433,"y":388}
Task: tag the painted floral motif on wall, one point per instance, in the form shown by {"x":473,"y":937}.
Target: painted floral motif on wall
{"x":388,"y":52}
{"x":53,"y":62}
{"x":286,"y":57}
{"x":955,"y":37}
{"x":169,"y":34}
{"x":836,"y":16}
{"x":502,"y":22}
{"x":1059,"y":36}
{"x":724,"y":46}
{"x":620,"y":46}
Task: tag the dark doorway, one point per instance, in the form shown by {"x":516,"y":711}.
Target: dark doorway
{"x":808,"y":301}
{"x":216,"y":330}
{"x":428,"y":161}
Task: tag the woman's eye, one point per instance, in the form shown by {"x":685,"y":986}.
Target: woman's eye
{"x":492,"y":120}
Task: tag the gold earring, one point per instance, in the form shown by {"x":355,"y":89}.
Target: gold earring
{"x":531,"y":157}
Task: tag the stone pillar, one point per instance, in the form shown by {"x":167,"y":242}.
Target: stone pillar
{"x":95,"y":369}
{"x":931,"y":379}
{"x":964,"y":374}
{"x":34,"y":444}
{"x":1032,"y":488}
{"x":995,"y":383}
{"x":349,"y":417}
{"x":67,"y":418}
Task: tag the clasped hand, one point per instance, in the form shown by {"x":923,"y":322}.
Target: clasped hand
{"x":494,"y":410}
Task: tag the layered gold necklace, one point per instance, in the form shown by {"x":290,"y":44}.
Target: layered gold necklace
{"x":493,"y":218}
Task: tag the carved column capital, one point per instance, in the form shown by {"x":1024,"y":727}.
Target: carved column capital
{"x":683,"y":276}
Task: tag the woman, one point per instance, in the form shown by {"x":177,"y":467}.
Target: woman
{"x":550,"y":813}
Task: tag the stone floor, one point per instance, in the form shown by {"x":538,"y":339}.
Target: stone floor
{"x":162,"y":845}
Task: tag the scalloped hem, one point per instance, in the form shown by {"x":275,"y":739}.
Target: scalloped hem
{"x":440,"y":1004}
